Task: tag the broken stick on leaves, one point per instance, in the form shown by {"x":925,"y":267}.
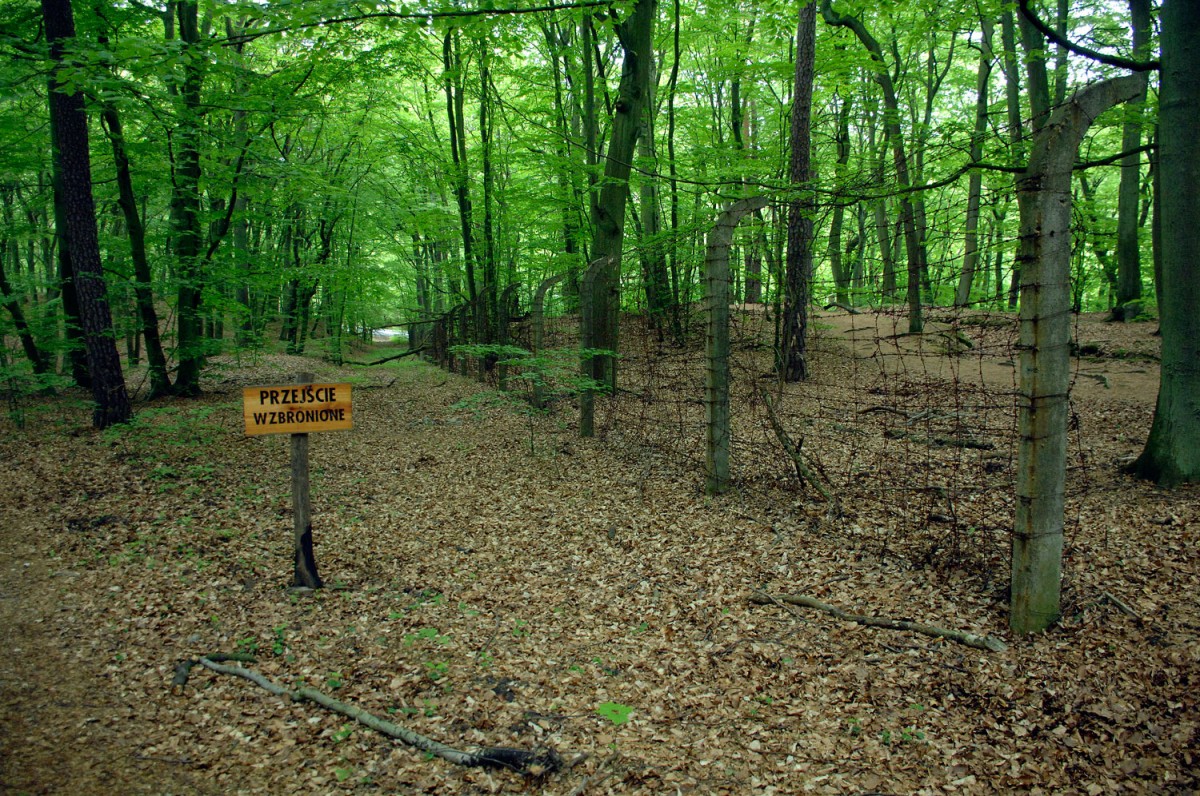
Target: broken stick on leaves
{"x":535,"y":763}
{"x":962,"y":637}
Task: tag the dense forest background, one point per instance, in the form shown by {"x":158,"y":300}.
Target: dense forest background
{"x":317,"y":170}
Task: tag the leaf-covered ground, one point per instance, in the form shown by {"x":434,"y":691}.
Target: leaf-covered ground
{"x":497,"y":581}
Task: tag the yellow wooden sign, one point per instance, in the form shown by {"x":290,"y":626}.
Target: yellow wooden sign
{"x":296,"y":408}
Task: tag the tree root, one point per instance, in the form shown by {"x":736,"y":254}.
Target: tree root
{"x":962,"y":637}
{"x":529,"y":763}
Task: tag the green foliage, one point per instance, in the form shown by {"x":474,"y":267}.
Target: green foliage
{"x":614,"y":712}
{"x":555,"y":372}
{"x":182,"y":428}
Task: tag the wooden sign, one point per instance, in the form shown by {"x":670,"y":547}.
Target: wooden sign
{"x":296,"y":408}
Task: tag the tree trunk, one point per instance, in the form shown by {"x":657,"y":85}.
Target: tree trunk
{"x":962,"y":296}
{"x":716,"y":392}
{"x":76,"y":350}
{"x":156,"y":360}
{"x":1012,"y":93}
{"x":841,"y":274}
{"x":452,"y":76}
{"x":1045,"y":200}
{"x":1129,"y":256}
{"x":489,"y":331}
{"x":654,"y":270}
{"x":673,"y":255}
{"x":186,"y":207}
{"x":914,"y":246}
{"x":793,"y":362}
{"x":70,"y":123}
{"x":12,"y":303}
{"x":636,"y":34}
{"x":1172,"y":453}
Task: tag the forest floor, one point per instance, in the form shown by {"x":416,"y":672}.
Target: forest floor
{"x":494,"y":580}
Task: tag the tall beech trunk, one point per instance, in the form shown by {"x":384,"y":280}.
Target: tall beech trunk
{"x":71,"y":136}
{"x":792,"y":357}
{"x":76,"y":350}
{"x":1172,"y":452}
{"x":654,"y":271}
{"x":1129,"y":256}
{"x":452,"y":83}
{"x":12,"y":303}
{"x":1016,"y":137}
{"x":673,"y":178}
{"x":156,"y":360}
{"x":489,"y":331}
{"x":841,"y":274}
{"x":716,"y":390}
{"x":913,"y":245}
{"x":636,"y":34}
{"x":1045,"y":202}
{"x":962,"y":296}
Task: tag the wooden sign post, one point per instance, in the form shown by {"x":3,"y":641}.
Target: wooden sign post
{"x":298,"y":409}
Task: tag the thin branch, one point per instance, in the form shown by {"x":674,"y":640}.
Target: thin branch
{"x":428,"y":15}
{"x":529,"y":763}
{"x":408,"y":353}
{"x":1063,"y":41}
{"x":969,"y":639}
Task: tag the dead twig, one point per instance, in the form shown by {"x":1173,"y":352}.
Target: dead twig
{"x":535,"y":763}
{"x":803,"y":471}
{"x":407,"y":353}
{"x":1120,"y":605}
{"x":596,"y":780}
{"x":962,"y":637}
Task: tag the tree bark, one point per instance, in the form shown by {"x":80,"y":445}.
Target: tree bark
{"x":1045,"y":261}
{"x":914,"y":246}
{"x":156,"y":360}
{"x":70,"y":123}
{"x":1129,"y":256}
{"x":636,"y":34}
{"x":1172,"y":452}
{"x":716,"y":390}
{"x":452,"y":77}
{"x":185,"y":206}
{"x":962,"y":296}
{"x":12,"y":303}
{"x":793,"y":361}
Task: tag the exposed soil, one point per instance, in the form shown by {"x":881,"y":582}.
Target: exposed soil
{"x":494,"y":580}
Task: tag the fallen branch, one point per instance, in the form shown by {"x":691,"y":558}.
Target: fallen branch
{"x":407,"y":353}
{"x":969,"y":639}
{"x":1100,"y":377}
{"x":940,"y":441}
{"x":595,"y":779}
{"x":529,"y":763}
{"x":379,"y":386}
{"x":803,"y":471}
{"x":183,"y":669}
{"x":1120,"y":604}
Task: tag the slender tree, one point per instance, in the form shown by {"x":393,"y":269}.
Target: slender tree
{"x":636,"y":34}
{"x":1045,"y":204}
{"x":1129,"y":251}
{"x":1172,"y":452}
{"x":793,"y":361}
{"x":71,"y":137}
{"x":913,"y":241}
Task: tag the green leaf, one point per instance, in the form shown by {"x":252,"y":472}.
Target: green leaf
{"x":614,"y":712}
